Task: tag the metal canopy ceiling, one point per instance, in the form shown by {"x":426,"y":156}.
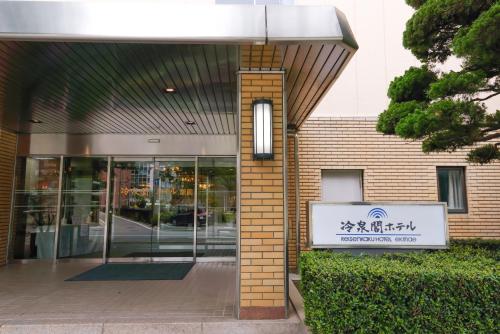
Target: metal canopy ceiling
{"x":60,"y":63}
{"x":118,"y":88}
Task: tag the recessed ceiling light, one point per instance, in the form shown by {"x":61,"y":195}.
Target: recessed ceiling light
{"x":43,"y":158}
{"x":190,"y":123}
{"x":35,"y":121}
{"x":170,"y":90}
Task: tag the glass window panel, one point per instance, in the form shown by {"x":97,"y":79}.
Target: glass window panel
{"x":216,"y":224}
{"x":35,"y":208}
{"x":81,"y":233}
{"x":342,"y":185}
{"x":153,"y":208}
{"x":451,"y":185}
{"x":132,"y":208}
{"x":173,"y":219}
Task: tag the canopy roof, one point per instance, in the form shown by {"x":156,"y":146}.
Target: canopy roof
{"x":101,"y":66}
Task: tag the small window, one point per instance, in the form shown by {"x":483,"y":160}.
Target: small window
{"x":342,"y":185}
{"x":451,"y":188}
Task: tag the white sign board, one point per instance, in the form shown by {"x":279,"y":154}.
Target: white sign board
{"x":377,"y":225}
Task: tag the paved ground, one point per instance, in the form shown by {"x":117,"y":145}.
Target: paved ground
{"x":38,"y":291}
{"x":34,"y":298}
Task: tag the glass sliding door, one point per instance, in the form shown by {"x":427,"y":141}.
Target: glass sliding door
{"x":35,"y":208}
{"x":152,"y":208}
{"x":131,"y":200}
{"x":216,"y":228}
{"x":83,"y":208}
{"x":173,"y":218}
{"x":156,"y":208}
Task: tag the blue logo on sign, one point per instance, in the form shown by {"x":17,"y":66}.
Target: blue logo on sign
{"x":377,"y":213}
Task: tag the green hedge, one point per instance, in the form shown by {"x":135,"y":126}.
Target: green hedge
{"x":454,"y":291}
{"x":492,"y":246}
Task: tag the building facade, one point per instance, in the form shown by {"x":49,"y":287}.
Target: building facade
{"x":346,"y":159}
{"x":142,"y":143}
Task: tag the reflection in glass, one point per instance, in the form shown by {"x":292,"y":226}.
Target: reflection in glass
{"x":173,"y":218}
{"x":216,"y":226}
{"x":81,"y":233}
{"x":35,"y":208}
{"x":153,"y":209}
{"x":131,"y":201}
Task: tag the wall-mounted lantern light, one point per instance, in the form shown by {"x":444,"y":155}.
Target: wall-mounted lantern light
{"x":262,"y":129}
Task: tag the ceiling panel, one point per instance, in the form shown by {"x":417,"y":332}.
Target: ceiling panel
{"x":117,"y":88}
{"x":99,"y":88}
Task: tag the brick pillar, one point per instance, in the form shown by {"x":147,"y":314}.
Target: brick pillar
{"x":262,"y":206}
{"x":8,"y":142}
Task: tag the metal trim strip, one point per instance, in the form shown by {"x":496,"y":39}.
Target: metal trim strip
{"x":148,"y":259}
{"x":59,"y":204}
{"x":11,"y":226}
{"x":126,"y":145}
{"x":195,"y":215}
{"x":284,"y":151}
{"x":107,"y":211}
{"x":238,"y":201}
{"x":229,"y":259}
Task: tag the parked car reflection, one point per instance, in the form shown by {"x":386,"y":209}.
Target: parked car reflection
{"x":182,"y":215}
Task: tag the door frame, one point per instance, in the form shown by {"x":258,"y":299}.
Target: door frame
{"x":155,"y":160}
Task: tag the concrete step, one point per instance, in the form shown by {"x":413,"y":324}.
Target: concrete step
{"x":292,"y":325}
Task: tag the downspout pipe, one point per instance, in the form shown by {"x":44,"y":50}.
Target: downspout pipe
{"x":292,"y":132}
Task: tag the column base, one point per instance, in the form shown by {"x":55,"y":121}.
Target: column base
{"x":261,"y":313}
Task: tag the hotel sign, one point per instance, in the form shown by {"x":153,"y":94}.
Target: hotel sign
{"x":378,"y":225}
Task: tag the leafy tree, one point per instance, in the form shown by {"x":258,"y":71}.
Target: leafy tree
{"x":446,"y":110}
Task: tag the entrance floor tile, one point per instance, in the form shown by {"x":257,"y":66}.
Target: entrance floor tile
{"x":36,"y":299}
{"x":38,"y":291}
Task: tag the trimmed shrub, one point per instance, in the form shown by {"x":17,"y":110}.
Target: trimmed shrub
{"x":493,"y":246}
{"x":453,"y":291}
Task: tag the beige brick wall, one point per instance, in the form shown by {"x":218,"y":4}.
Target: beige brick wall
{"x":262,"y":206}
{"x":394,"y":170}
{"x":7,"y":160}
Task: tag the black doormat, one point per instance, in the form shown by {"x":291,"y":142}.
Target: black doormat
{"x":135,"y":272}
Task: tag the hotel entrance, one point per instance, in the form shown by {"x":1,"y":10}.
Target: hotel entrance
{"x":133,"y":133}
{"x":125,"y":209}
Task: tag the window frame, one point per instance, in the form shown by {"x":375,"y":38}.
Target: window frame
{"x":361,"y":183}
{"x":465,"y":210}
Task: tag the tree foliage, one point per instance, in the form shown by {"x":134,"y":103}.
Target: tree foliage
{"x":446,"y":110}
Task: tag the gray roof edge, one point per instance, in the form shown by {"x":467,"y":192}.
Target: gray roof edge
{"x":347,"y":34}
{"x":324,"y":24}
{"x":160,"y":22}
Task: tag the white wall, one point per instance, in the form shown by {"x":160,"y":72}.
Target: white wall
{"x":378,"y":25}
